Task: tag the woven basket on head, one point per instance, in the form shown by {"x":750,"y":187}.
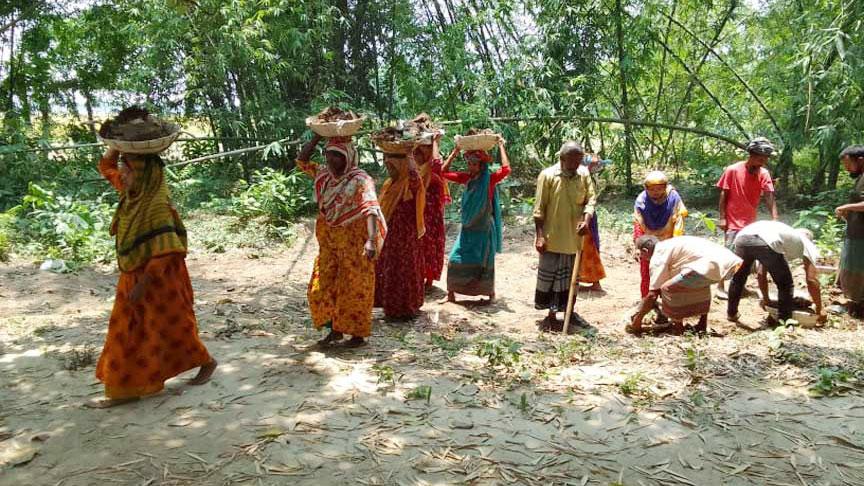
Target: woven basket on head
{"x":153,"y":146}
{"x":341,"y":128}
{"x":400,"y":147}
{"x":477,"y":142}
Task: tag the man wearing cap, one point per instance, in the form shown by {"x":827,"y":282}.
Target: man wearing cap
{"x":774,"y":245}
{"x":741,"y":187}
{"x":563,"y":208}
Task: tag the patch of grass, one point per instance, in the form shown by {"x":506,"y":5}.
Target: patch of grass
{"x":219,"y":233}
{"x":635,"y":387}
{"x":408,"y":339}
{"x":385,"y":374}
{"x":524,"y":405}
{"x":43,"y":331}
{"x":422,"y":392}
{"x":829,"y":382}
{"x":500,"y":352}
{"x":780,"y":351}
{"x":697,"y":398}
{"x":77,"y":359}
{"x":631,"y":385}
{"x":573,"y":350}
{"x":451,"y":347}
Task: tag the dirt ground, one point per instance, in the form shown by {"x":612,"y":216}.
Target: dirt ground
{"x":419,"y":406}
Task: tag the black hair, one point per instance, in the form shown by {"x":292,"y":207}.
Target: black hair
{"x":646,"y":242}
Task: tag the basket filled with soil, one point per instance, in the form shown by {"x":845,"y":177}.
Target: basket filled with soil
{"x":334,"y":122}
{"x":136,"y":131}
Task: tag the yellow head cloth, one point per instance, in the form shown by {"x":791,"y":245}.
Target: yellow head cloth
{"x":145,"y":224}
{"x":656,"y":178}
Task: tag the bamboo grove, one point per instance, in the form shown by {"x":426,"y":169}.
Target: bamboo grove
{"x":659,"y":83}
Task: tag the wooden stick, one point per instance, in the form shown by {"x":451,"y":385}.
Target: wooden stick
{"x":574,"y":283}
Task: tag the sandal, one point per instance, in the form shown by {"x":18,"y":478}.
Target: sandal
{"x":330,"y":339}
{"x":355,"y":342}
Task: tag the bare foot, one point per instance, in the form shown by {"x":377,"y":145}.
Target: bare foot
{"x":110,"y":402}
{"x":595,"y":287}
{"x":451,"y":296}
{"x":204,"y":373}
{"x":430,"y":285}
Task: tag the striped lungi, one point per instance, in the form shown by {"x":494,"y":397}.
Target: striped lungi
{"x":685,"y":295}
{"x":553,"y":281}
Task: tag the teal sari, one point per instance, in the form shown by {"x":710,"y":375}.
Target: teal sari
{"x":471,"y":267}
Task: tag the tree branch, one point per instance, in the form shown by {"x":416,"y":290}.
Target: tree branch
{"x":729,"y":67}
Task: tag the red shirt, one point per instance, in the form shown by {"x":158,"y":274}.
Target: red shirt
{"x":745,"y":189}
{"x":464,"y":177}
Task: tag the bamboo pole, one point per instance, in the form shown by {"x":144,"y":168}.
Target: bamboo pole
{"x":574,"y":283}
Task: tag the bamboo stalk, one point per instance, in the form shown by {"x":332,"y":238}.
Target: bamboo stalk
{"x":574,"y":283}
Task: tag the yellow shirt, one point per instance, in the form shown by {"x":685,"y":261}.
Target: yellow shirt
{"x":561,"y":202}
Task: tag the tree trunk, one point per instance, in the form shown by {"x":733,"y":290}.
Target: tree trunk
{"x":625,"y":102}
{"x":88,"y":103}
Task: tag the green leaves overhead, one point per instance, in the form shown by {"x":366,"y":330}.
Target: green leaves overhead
{"x":791,"y":71}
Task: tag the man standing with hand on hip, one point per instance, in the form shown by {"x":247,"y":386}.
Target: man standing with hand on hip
{"x":741,"y":187}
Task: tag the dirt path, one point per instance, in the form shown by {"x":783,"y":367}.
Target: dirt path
{"x":419,"y":406}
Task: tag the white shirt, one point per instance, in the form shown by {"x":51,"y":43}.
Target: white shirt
{"x":783,"y":239}
{"x":675,"y":255}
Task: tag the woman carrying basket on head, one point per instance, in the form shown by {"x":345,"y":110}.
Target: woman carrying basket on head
{"x":471,"y":266}
{"x":152,"y":331}
{"x":350,"y":230}
{"x":399,"y":271}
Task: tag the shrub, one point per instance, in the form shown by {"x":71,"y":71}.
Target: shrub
{"x":279,"y":197}
{"x":50,"y":225}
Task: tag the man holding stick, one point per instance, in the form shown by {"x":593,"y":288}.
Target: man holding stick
{"x":563,"y":208}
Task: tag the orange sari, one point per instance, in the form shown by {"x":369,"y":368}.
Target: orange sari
{"x":156,"y":337}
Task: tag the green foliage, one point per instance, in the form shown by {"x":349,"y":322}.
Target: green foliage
{"x":829,"y":382}
{"x":451,"y":347}
{"x":5,"y":238}
{"x":778,"y":345}
{"x":52,"y":225}
{"x":385,"y":374}
{"x":280,"y":198}
{"x":693,"y":358}
{"x":632,"y":384}
{"x":422,"y":392}
{"x":573,"y":350}
{"x":500,"y":352}
{"x":826,"y":228}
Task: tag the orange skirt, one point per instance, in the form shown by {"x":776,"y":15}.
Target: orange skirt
{"x":590,"y":267}
{"x":342,"y":288}
{"x":154,"y":339}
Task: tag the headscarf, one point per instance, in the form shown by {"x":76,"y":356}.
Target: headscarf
{"x":344,"y":199}
{"x":397,"y":190}
{"x":478,"y":156}
{"x":656,"y":215}
{"x":426,"y":174}
{"x":656,"y":178}
{"x":145,"y":224}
